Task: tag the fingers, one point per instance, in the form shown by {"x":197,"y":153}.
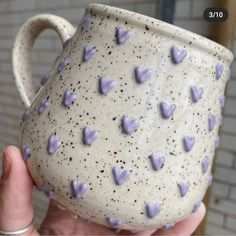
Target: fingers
{"x":138,"y":233}
{"x":62,"y":222}
{"x":16,"y":211}
{"x":187,"y":226}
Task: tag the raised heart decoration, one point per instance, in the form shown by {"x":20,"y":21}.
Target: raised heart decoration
{"x":43,"y":106}
{"x":69,"y":98}
{"x":88,"y":53}
{"x":64,"y":62}
{"x":152,"y":209}
{"x":129,"y":125}
{"x":167,"y":109}
{"x":105,"y":85}
{"x":89,"y":136}
{"x":78,"y":189}
{"x":26,"y":152}
{"x":157,"y":161}
{"x":53,"y":144}
{"x":196,"y":93}
{"x":122,"y":35}
{"x":120,"y":175}
{"x":211,"y":122}
{"x":188,"y":143}
{"x":114,"y":222}
{"x":183,"y":188}
{"x":205,"y":164}
{"x":142,"y":75}
{"x":219,"y":70}
{"x":177,"y":55}
{"x":85,"y":22}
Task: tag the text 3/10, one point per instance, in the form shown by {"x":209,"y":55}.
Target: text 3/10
{"x":215,"y":14}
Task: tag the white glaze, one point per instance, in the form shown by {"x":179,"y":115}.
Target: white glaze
{"x":148,"y":47}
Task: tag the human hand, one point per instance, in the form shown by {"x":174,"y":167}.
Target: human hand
{"x":16,"y":210}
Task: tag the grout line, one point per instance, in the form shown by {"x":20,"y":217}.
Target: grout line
{"x":218,"y":226}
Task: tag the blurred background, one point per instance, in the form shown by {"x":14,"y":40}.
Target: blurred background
{"x":221,"y":217}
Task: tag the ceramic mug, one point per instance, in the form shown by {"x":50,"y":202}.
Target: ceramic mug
{"x":124,"y":128}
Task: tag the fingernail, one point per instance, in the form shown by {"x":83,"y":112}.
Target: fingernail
{"x":6,"y":167}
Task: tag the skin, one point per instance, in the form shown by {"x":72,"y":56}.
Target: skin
{"x":16,"y":209}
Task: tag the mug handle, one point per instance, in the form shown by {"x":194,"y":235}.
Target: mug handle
{"x":21,"y":52}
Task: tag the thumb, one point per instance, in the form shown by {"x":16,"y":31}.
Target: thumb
{"x":16,"y":211}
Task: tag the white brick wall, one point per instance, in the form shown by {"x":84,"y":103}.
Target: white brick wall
{"x":231,"y":88}
{"x":224,"y":157}
{"x":232,"y":194}
{"x":220,"y":189}
{"x":216,"y":217}
{"x":229,"y":125}
{"x":198,"y":6}
{"x":230,"y":222}
{"x":222,"y":209}
{"x":223,"y":205}
{"x":216,"y":230}
{"x":182,"y":9}
{"x":21,"y":5}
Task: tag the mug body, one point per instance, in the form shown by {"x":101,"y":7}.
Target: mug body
{"x":124,"y":131}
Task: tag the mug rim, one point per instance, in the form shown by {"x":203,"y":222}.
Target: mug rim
{"x":168,"y":29}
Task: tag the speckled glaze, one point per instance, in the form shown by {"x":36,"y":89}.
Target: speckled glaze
{"x":93,"y":148}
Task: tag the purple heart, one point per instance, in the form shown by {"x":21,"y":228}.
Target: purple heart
{"x":53,"y":144}
{"x":196,"y":93}
{"x":69,"y":98}
{"x":211,"y":122}
{"x":88,"y":53}
{"x":63,"y":64}
{"x":85,"y":22}
{"x":26,"y":152}
{"x":217,"y":142}
{"x":44,"y":79}
{"x":196,"y":206}
{"x":142,"y":75}
{"x":122,"y":35}
{"x":152,"y":209}
{"x":114,"y":222}
{"x":188,"y":143}
{"x":43,"y":106}
{"x":89,"y":136}
{"x":177,"y":55}
{"x":129,"y":125}
{"x":157,"y":161}
{"x":222,"y":101}
{"x":167,"y":109}
{"x":65,"y":44}
{"x":78,"y":189}
{"x":210,"y":179}
{"x":25,"y":115}
{"x":183,"y":188}
{"x":120,"y":175}
{"x":168,"y":226}
{"x":219,"y":70}
{"x":105,"y":85}
{"x":205,"y":164}
{"x":48,"y":192}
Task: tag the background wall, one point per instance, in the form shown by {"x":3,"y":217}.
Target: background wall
{"x":222,"y":209}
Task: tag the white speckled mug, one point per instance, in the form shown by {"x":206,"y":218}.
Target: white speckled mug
{"x":124,"y":128}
